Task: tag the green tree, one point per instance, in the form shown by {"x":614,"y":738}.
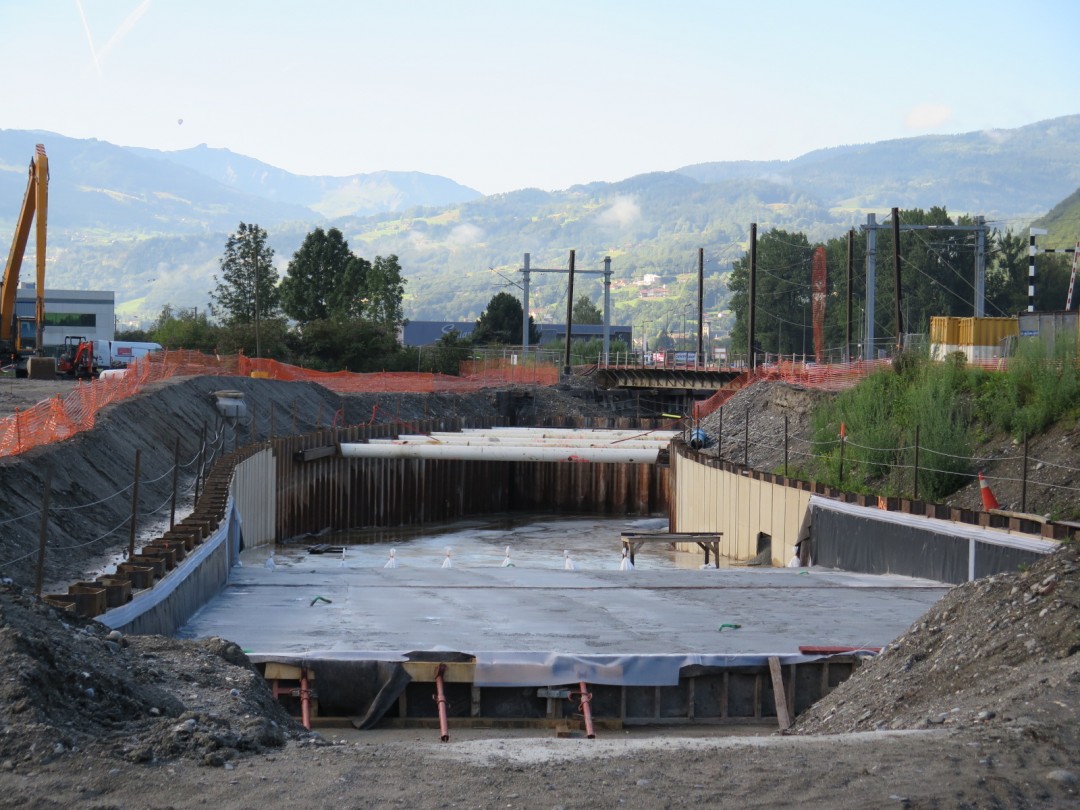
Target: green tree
{"x":247,"y":289}
{"x":184,"y":329}
{"x":783,"y":314}
{"x":272,"y":340}
{"x":586,"y":312}
{"x":352,"y":345}
{"x":384,"y":291}
{"x":324,"y":279}
{"x":447,"y":353}
{"x":501,"y":323}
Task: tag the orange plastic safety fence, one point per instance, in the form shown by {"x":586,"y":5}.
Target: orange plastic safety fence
{"x":59,"y":418}
{"x":826,"y":377}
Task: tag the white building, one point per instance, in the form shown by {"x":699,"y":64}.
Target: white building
{"x":88,"y":314}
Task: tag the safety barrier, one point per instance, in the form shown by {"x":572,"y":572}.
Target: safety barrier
{"x":61,"y":417}
{"x":828,"y":377}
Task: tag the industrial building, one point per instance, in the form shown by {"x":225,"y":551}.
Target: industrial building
{"x":90,"y":314}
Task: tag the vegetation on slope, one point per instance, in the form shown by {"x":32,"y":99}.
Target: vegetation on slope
{"x":946,"y":410}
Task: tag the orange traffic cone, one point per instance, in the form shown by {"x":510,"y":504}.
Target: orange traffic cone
{"x":988,"y":499}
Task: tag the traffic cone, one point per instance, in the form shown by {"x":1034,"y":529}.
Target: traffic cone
{"x":988,"y":499}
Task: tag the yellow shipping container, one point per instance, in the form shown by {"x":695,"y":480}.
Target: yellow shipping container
{"x":944,"y":329}
{"x":978,"y":338}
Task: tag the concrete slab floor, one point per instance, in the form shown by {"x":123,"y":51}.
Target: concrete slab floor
{"x":311,"y":604}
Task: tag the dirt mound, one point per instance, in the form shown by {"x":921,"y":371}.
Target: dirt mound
{"x":999,"y":652}
{"x":1053,"y":475}
{"x":757,"y":413}
{"x":68,"y":684}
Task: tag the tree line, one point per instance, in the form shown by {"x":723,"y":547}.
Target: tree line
{"x":936,"y":278}
{"x":333,"y":310}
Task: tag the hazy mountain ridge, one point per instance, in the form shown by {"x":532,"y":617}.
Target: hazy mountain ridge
{"x":152,"y":225}
{"x":1015,"y":173}
{"x":358,"y":194}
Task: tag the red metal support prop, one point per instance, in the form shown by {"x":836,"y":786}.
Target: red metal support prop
{"x":586,"y":710}
{"x":440,"y":698}
{"x":305,"y":700}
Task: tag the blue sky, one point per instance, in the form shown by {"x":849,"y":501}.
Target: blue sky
{"x":508,"y":95}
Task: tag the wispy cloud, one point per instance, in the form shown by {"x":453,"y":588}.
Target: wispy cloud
{"x":466,"y":234}
{"x":121,"y":31}
{"x":927,"y":116}
{"x":622,"y":212}
{"x":89,"y":38}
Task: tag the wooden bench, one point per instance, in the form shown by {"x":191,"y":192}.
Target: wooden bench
{"x":706,"y":541}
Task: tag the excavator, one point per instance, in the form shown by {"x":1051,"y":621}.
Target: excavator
{"x":18,"y":344}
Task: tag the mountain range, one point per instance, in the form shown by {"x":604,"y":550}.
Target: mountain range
{"x":152,"y":225}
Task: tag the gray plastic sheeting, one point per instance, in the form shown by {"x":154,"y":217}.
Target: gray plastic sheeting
{"x":877,"y":541}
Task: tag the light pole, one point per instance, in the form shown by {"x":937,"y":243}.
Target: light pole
{"x":255,"y":239}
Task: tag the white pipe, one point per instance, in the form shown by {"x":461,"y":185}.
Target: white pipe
{"x":495,"y":441}
{"x":610,"y":455}
{"x":563,"y":433}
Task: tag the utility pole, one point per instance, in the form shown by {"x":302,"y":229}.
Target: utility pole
{"x":896,"y":274}
{"x":255,"y":242}
{"x":700,"y":307}
{"x":980,"y":267}
{"x":850,"y":277}
{"x":871,"y":281}
{"x":607,"y":309}
{"x":569,"y":316}
{"x":753,"y":295}
{"x":525,"y":307}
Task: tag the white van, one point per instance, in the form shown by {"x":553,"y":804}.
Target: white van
{"x":119,"y":353}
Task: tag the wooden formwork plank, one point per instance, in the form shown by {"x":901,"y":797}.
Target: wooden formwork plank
{"x":779,"y":695}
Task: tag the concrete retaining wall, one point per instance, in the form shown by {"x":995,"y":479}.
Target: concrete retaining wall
{"x":171,"y":602}
{"x":752,"y":514}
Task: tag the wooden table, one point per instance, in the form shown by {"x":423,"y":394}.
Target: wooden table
{"x":707,"y":541}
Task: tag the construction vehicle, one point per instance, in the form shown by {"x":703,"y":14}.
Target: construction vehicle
{"x":77,"y":358}
{"x":84,"y":358}
{"x":21,"y":336}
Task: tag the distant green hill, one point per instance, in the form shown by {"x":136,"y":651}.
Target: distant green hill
{"x":152,"y":225}
{"x":1062,"y":223}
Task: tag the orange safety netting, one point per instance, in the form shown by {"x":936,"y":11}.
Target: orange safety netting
{"x":58,"y":418}
{"x":827,"y":377}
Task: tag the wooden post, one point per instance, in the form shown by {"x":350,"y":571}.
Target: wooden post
{"x":746,"y":440}
{"x":43,"y":534}
{"x":785,"y":445}
{"x":134,"y":505}
{"x":202,"y":463}
{"x":175,"y":479}
{"x":916,"y":487}
{"x":1023,"y":486}
{"x":720,"y":436}
{"x":842,"y":437}
{"x":779,"y":696}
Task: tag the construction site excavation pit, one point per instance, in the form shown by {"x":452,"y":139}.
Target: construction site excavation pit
{"x":535,"y":621}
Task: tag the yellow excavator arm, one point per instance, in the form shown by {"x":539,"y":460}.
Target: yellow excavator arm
{"x":36,"y":201}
